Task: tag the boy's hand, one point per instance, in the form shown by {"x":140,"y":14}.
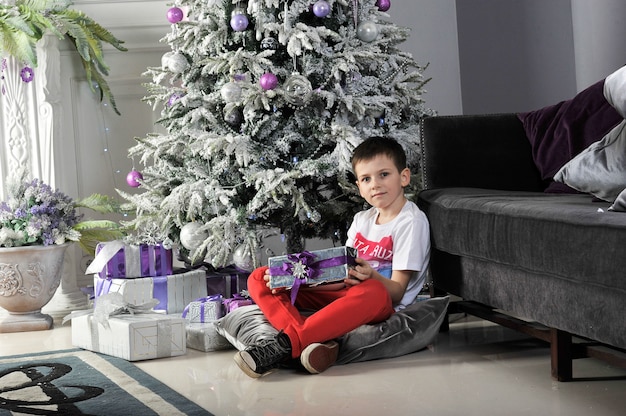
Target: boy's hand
{"x":266,"y":277}
{"x":362,"y":271}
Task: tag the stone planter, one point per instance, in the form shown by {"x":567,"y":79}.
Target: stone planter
{"x":29,"y":277}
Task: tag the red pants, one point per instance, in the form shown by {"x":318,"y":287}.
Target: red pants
{"x":337,"y":312}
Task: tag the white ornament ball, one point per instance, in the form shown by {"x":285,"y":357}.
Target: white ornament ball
{"x":165,"y":59}
{"x":177,"y":63}
{"x":191,"y":237}
{"x":231,"y":92}
{"x":243,"y":258}
{"x":367,"y":31}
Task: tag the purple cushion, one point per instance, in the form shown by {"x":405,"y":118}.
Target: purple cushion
{"x":559,"y":132}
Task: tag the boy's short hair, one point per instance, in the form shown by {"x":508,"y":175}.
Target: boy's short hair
{"x":380,"y":145}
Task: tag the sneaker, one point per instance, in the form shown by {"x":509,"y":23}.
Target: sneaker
{"x":317,"y":357}
{"x":260,"y":359}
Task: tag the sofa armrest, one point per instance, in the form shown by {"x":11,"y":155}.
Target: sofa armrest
{"x":479,"y":151}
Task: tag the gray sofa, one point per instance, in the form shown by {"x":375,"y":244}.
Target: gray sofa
{"x":551,"y":265}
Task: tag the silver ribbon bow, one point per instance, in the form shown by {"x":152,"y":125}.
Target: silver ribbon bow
{"x":112,"y":304}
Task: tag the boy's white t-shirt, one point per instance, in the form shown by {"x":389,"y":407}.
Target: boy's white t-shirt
{"x":401,"y":244}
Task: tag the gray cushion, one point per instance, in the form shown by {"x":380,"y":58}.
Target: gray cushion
{"x":406,"y":331}
{"x":619,"y":204}
{"x":601,"y":168}
{"x":615,"y":90}
{"x":409,"y":330}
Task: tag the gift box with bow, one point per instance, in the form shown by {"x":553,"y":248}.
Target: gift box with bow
{"x":127,"y":331}
{"x":236,"y":301}
{"x":311,"y":268}
{"x":204,"y":337}
{"x":206,"y":309}
{"x":174,"y":291}
{"x":226,"y":281}
{"x":116,"y":259}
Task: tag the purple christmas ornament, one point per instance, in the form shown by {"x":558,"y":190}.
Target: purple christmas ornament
{"x":268,"y":81}
{"x":175,"y":15}
{"x":239,"y":22}
{"x":133,"y":178}
{"x":321,"y":8}
{"x":27,"y":74}
{"x":383,"y":5}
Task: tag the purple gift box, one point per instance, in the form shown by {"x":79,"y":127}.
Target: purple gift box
{"x":237,"y":301}
{"x":226,"y":282}
{"x":116,"y":259}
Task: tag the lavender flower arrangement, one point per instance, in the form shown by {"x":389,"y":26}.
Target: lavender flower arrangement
{"x":35,"y":214}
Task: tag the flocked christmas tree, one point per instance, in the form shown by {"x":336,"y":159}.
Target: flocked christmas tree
{"x":263,"y":103}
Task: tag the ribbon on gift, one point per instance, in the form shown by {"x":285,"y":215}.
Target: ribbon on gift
{"x":138,"y":260}
{"x":159,"y":289}
{"x":202,"y":301}
{"x":236,"y":301}
{"x":302,"y":267}
{"x":112,"y":304}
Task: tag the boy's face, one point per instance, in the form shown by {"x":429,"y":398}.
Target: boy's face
{"x":380,"y":183}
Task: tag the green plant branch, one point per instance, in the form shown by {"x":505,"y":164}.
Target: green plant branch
{"x":22,"y":25}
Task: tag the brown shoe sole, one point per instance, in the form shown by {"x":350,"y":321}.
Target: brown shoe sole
{"x":316,"y":358}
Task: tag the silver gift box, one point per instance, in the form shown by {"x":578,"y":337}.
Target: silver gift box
{"x":321,"y":266}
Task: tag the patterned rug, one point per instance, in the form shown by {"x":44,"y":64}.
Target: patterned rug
{"x":79,"y":382}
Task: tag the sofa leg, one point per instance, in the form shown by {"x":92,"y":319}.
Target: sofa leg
{"x":561,"y":354}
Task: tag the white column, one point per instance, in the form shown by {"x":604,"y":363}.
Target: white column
{"x":30,"y":131}
{"x":599,"y":34}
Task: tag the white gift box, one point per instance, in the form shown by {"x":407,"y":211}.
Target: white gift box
{"x":204,"y":337}
{"x":174,"y":292}
{"x":203,"y":310}
{"x":141,"y":336}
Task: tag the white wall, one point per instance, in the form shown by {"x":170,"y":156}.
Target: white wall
{"x":599,"y":33}
{"x":433,"y":41}
{"x":515,"y":55}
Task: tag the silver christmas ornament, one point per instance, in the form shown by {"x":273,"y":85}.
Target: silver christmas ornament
{"x":367,"y":31}
{"x":177,"y":63}
{"x":269,"y":44}
{"x":243,"y":258}
{"x":231,"y":92}
{"x":191,"y":237}
{"x":297,"y":90}
{"x":165,"y":59}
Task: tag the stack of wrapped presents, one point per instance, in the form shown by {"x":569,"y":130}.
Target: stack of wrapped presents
{"x":145,"y":309}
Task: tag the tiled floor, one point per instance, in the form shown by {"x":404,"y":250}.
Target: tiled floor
{"x":475,"y":369}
